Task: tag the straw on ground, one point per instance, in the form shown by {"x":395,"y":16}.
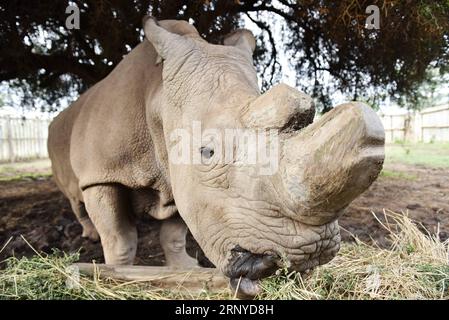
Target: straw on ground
{"x":416,"y":266}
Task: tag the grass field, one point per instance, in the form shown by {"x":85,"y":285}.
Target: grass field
{"x":426,"y":154}
{"x":25,"y":170}
{"x":397,"y":175}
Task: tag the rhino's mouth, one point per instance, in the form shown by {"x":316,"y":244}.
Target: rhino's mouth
{"x":246,"y":288}
{"x":244,"y":263}
{"x":245,"y":268}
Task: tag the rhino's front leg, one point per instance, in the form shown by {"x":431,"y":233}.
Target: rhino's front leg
{"x":173,"y":241}
{"x":109,"y":210}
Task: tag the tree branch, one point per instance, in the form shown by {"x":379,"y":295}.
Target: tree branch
{"x":273,"y":58}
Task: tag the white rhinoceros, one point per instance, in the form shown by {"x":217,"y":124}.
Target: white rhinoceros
{"x":112,"y":157}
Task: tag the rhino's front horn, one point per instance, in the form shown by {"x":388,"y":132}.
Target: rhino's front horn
{"x":282,"y":107}
{"x":328,"y":164}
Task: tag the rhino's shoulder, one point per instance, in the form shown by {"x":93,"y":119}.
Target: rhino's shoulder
{"x":110,"y":142}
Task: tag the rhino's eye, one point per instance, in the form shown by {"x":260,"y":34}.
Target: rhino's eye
{"x":206,"y":152}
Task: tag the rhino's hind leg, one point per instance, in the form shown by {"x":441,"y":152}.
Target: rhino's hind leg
{"x":89,"y":230}
{"x":173,"y":241}
{"x":108,"y":208}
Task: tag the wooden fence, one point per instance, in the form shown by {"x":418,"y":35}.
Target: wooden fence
{"x":428,"y":125}
{"x":25,"y":138}
{"x":22,"y":138}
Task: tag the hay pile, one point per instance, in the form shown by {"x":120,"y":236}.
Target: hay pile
{"x":415,"y":267}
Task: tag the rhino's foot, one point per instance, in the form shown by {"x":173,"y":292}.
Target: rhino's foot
{"x":89,"y":230}
{"x":180,"y":260}
{"x":173,"y":241}
{"x":91,"y":234}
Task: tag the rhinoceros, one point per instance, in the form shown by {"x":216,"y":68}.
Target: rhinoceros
{"x":111,"y":154}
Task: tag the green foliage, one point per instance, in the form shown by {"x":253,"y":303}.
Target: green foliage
{"x":436,"y":275}
{"x":428,"y":92}
{"x":326,"y":42}
{"x":37,"y":277}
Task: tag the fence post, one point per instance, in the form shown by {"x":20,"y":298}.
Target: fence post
{"x":391,"y":129}
{"x":418,"y":127}
{"x":10,"y":140}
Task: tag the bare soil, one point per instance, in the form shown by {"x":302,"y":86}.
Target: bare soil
{"x":418,"y":191}
{"x":35,"y":209}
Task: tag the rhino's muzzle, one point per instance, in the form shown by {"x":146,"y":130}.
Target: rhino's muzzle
{"x":245,"y":288}
{"x":244,"y":263}
{"x":246,"y":268}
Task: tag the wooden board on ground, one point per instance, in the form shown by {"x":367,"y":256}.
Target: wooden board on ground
{"x":193,"y":280}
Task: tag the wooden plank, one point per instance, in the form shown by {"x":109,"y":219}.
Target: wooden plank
{"x":192,"y":280}
{"x":436,"y":127}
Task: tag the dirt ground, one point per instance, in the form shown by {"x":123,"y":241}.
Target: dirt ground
{"x":420,"y":192}
{"x":34,"y":208}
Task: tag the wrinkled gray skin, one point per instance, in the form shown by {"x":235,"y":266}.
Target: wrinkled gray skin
{"x":110,"y":157}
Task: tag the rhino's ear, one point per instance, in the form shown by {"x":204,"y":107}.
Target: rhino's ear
{"x":162,"y":39}
{"x":241,"y":38}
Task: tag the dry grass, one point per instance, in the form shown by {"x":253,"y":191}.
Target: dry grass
{"x":50,"y":277}
{"x":415,"y":267}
